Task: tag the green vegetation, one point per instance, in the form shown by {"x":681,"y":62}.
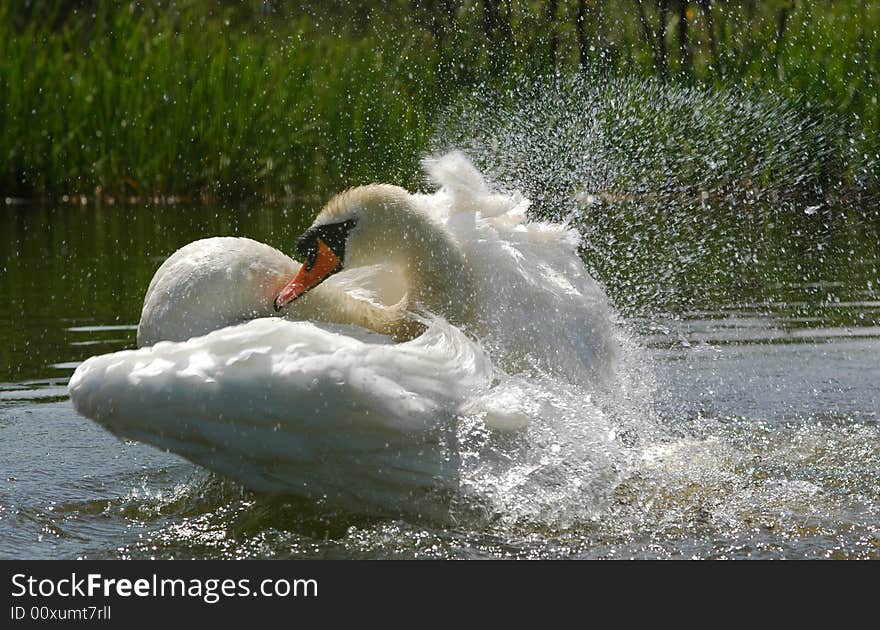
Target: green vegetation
{"x":177,"y":103}
{"x":266,"y":98}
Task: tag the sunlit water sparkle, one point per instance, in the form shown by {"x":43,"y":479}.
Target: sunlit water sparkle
{"x":757,"y":436}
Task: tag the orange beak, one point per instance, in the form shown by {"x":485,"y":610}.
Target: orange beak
{"x":325,"y":264}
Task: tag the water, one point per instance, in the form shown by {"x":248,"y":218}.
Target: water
{"x":761,"y":437}
{"x":748,"y":282}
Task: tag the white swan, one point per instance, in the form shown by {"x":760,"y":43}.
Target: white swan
{"x":217,"y":282}
{"x":381,"y":224}
{"x":330,"y":409}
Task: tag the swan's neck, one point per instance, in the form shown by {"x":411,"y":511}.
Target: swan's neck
{"x":435,"y":270}
{"x":330,"y":303}
{"x":436,"y":274}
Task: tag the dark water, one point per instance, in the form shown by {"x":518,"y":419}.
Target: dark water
{"x":762,"y":329}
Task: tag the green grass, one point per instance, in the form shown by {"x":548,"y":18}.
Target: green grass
{"x":186,"y":105}
{"x":189,"y":99}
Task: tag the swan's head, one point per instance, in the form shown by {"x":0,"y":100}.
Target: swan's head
{"x":353,"y":229}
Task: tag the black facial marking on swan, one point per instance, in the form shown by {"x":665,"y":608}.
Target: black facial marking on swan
{"x":334,"y":236}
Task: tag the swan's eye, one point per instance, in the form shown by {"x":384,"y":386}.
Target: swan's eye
{"x":311,"y":255}
{"x":307,"y":248}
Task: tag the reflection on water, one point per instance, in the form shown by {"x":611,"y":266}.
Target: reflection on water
{"x":764,"y":343}
{"x":76,"y":275}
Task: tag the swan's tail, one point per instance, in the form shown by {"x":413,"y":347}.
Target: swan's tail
{"x":455,"y":173}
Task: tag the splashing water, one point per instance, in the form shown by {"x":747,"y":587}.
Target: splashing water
{"x":578,"y":139}
{"x":681,"y":193}
{"x":739,"y":417}
{"x":667,"y":183}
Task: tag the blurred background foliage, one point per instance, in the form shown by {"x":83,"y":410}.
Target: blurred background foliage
{"x":272,"y":98}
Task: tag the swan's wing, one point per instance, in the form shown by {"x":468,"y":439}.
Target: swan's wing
{"x":536,"y":303}
{"x":463,"y":189}
{"x":327,"y":411}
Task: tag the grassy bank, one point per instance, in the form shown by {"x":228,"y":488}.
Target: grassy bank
{"x":233,"y":99}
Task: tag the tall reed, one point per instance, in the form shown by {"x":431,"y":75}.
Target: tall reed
{"x":179,"y":103}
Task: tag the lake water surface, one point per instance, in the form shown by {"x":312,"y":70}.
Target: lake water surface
{"x":763,"y":338}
